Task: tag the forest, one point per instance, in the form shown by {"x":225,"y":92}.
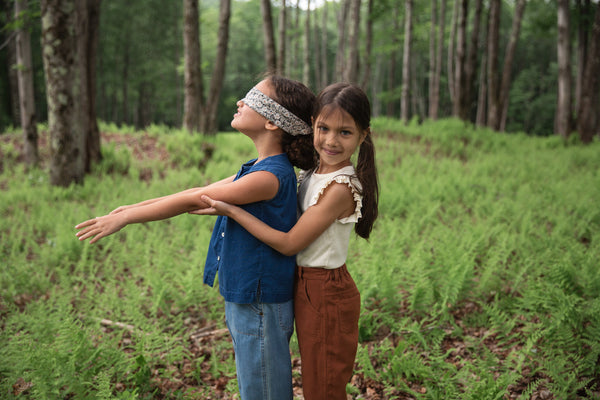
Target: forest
{"x":480,"y":279}
{"x":529,"y":66}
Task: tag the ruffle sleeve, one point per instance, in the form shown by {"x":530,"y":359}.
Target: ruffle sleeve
{"x":355,"y":187}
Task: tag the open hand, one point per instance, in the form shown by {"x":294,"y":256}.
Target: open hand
{"x":99,"y":227}
{"x":215,"y":207}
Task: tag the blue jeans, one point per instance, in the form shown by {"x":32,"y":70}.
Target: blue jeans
{"x":261,"y":335}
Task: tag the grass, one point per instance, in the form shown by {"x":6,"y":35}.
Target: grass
{"x":480,"y":280}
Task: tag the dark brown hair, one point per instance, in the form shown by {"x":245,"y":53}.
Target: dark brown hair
{"x":355,"y":102}
{"x":298,"y":99}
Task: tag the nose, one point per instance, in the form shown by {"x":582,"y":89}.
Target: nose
{"x":331,"y":139}
{"x":240,"y":103}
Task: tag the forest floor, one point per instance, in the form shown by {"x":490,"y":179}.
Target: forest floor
{"x":202,"y":339}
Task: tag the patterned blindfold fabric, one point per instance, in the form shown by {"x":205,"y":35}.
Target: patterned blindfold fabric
{"x":276,"y":113}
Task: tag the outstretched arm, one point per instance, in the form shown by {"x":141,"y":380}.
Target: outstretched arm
{"x":336,"y":202}
{"x":192,"y":190}
{"x":256,"y":186}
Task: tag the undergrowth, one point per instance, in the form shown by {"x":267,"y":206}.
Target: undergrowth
{"x":480,"y":280}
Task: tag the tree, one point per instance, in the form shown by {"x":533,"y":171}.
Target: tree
{"x":25,"y":82}
{"x":341,"y":39}
{"x":459,"y":106}
{"x":406,"y":61}
{"x":281,"y":49}
{"x":192,"y":74}
{"x":268,"y":35}
{"x":563,"y":107}
{"x":306,"y":40}
{"x":492,"y":62}
{"x":89,"y":19}
{"x":509,"y":55}
{"x":210,"y":109}
{"x":434,"y":100}
{"x":471,"y":66}
{"x":587,"y":121}
{"x":63,"y":85}
{"x":351,"y":72}
{"x":368,"y":46}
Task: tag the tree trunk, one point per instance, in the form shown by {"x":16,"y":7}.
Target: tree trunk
{"x":482,"y":96}
{"x":492,"y":60}
{"x":450,"y":66}
{"x":471,"y":67}
{"x":354,"y":32}
{"x":324,"y":64}
{"x":8,"y":37}
{"x":432,"y":59}
{"x":216,"y":82}
{"x":341,"y":48}
{"x":434,"y":101}
{"x":296,"y":56}
{"x":306,"y":41}
{"x":509,"y":55}
{"x":282,"y":39}
{"x":63,"y":83}
{"x":89,"y":45}
{"x":268,"y":36}
{"x":191,"y":72}
{"x":582,"y":44}
{"x":587,"y":116}
{"x":25,"y":83}
{"x":369,"y":47}
{"x":563,"y":106}
{"x":459,"y":108}
{"x":406,"y":61}
{"x":391,"y":103}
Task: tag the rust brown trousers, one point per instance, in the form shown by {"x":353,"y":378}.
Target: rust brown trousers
{"x":326,"y":308}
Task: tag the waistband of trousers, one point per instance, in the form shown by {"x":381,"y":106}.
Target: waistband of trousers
{"x":321,"y":273}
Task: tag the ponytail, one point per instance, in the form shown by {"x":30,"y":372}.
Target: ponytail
{"x":366,"y":171}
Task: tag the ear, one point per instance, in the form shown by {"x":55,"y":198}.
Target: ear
{"x":366,"y":133}
{"x":270,"y":126}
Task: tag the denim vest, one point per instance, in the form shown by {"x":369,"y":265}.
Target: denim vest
{"x":249,"y":270}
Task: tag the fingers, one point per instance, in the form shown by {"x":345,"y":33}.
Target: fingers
{"x":85,"y":223}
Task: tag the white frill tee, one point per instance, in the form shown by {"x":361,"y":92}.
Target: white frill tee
{"x":329,"y":250}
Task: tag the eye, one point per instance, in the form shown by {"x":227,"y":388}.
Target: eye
{"x":346,"y":133}
{"x":322,"y":128}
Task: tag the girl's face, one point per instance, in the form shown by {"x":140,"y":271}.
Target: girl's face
{"x":336,"y":138}
{"x":248,"y":121}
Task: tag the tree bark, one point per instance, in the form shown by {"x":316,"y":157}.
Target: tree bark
{"x":391,"y":103}
{"x":306,"y":57}
{"x":88,"y":42}
{"x":25,"y":84}
{"x":324,"y":64}
{"x":587,"y":116}
{"x":471,"y":67}
{"x":492,"y":60}
{"x":191,"y":72}
{"x":216,"y":82}
{"x":268,"y":36}
{"x":281,"y":49}
{"x":341,"y":44}
{"x":354,"y":31}
{"x":434,"y":101}
{"x":563,"y":51}
{"x":406,"y":62}
{"x":369,"y":47}
{"x":63,"y":83}
{"x":450,"y":66}
{"x":432,"y":54}
{"x":459,"y":108}
{"x":509,"y":55}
